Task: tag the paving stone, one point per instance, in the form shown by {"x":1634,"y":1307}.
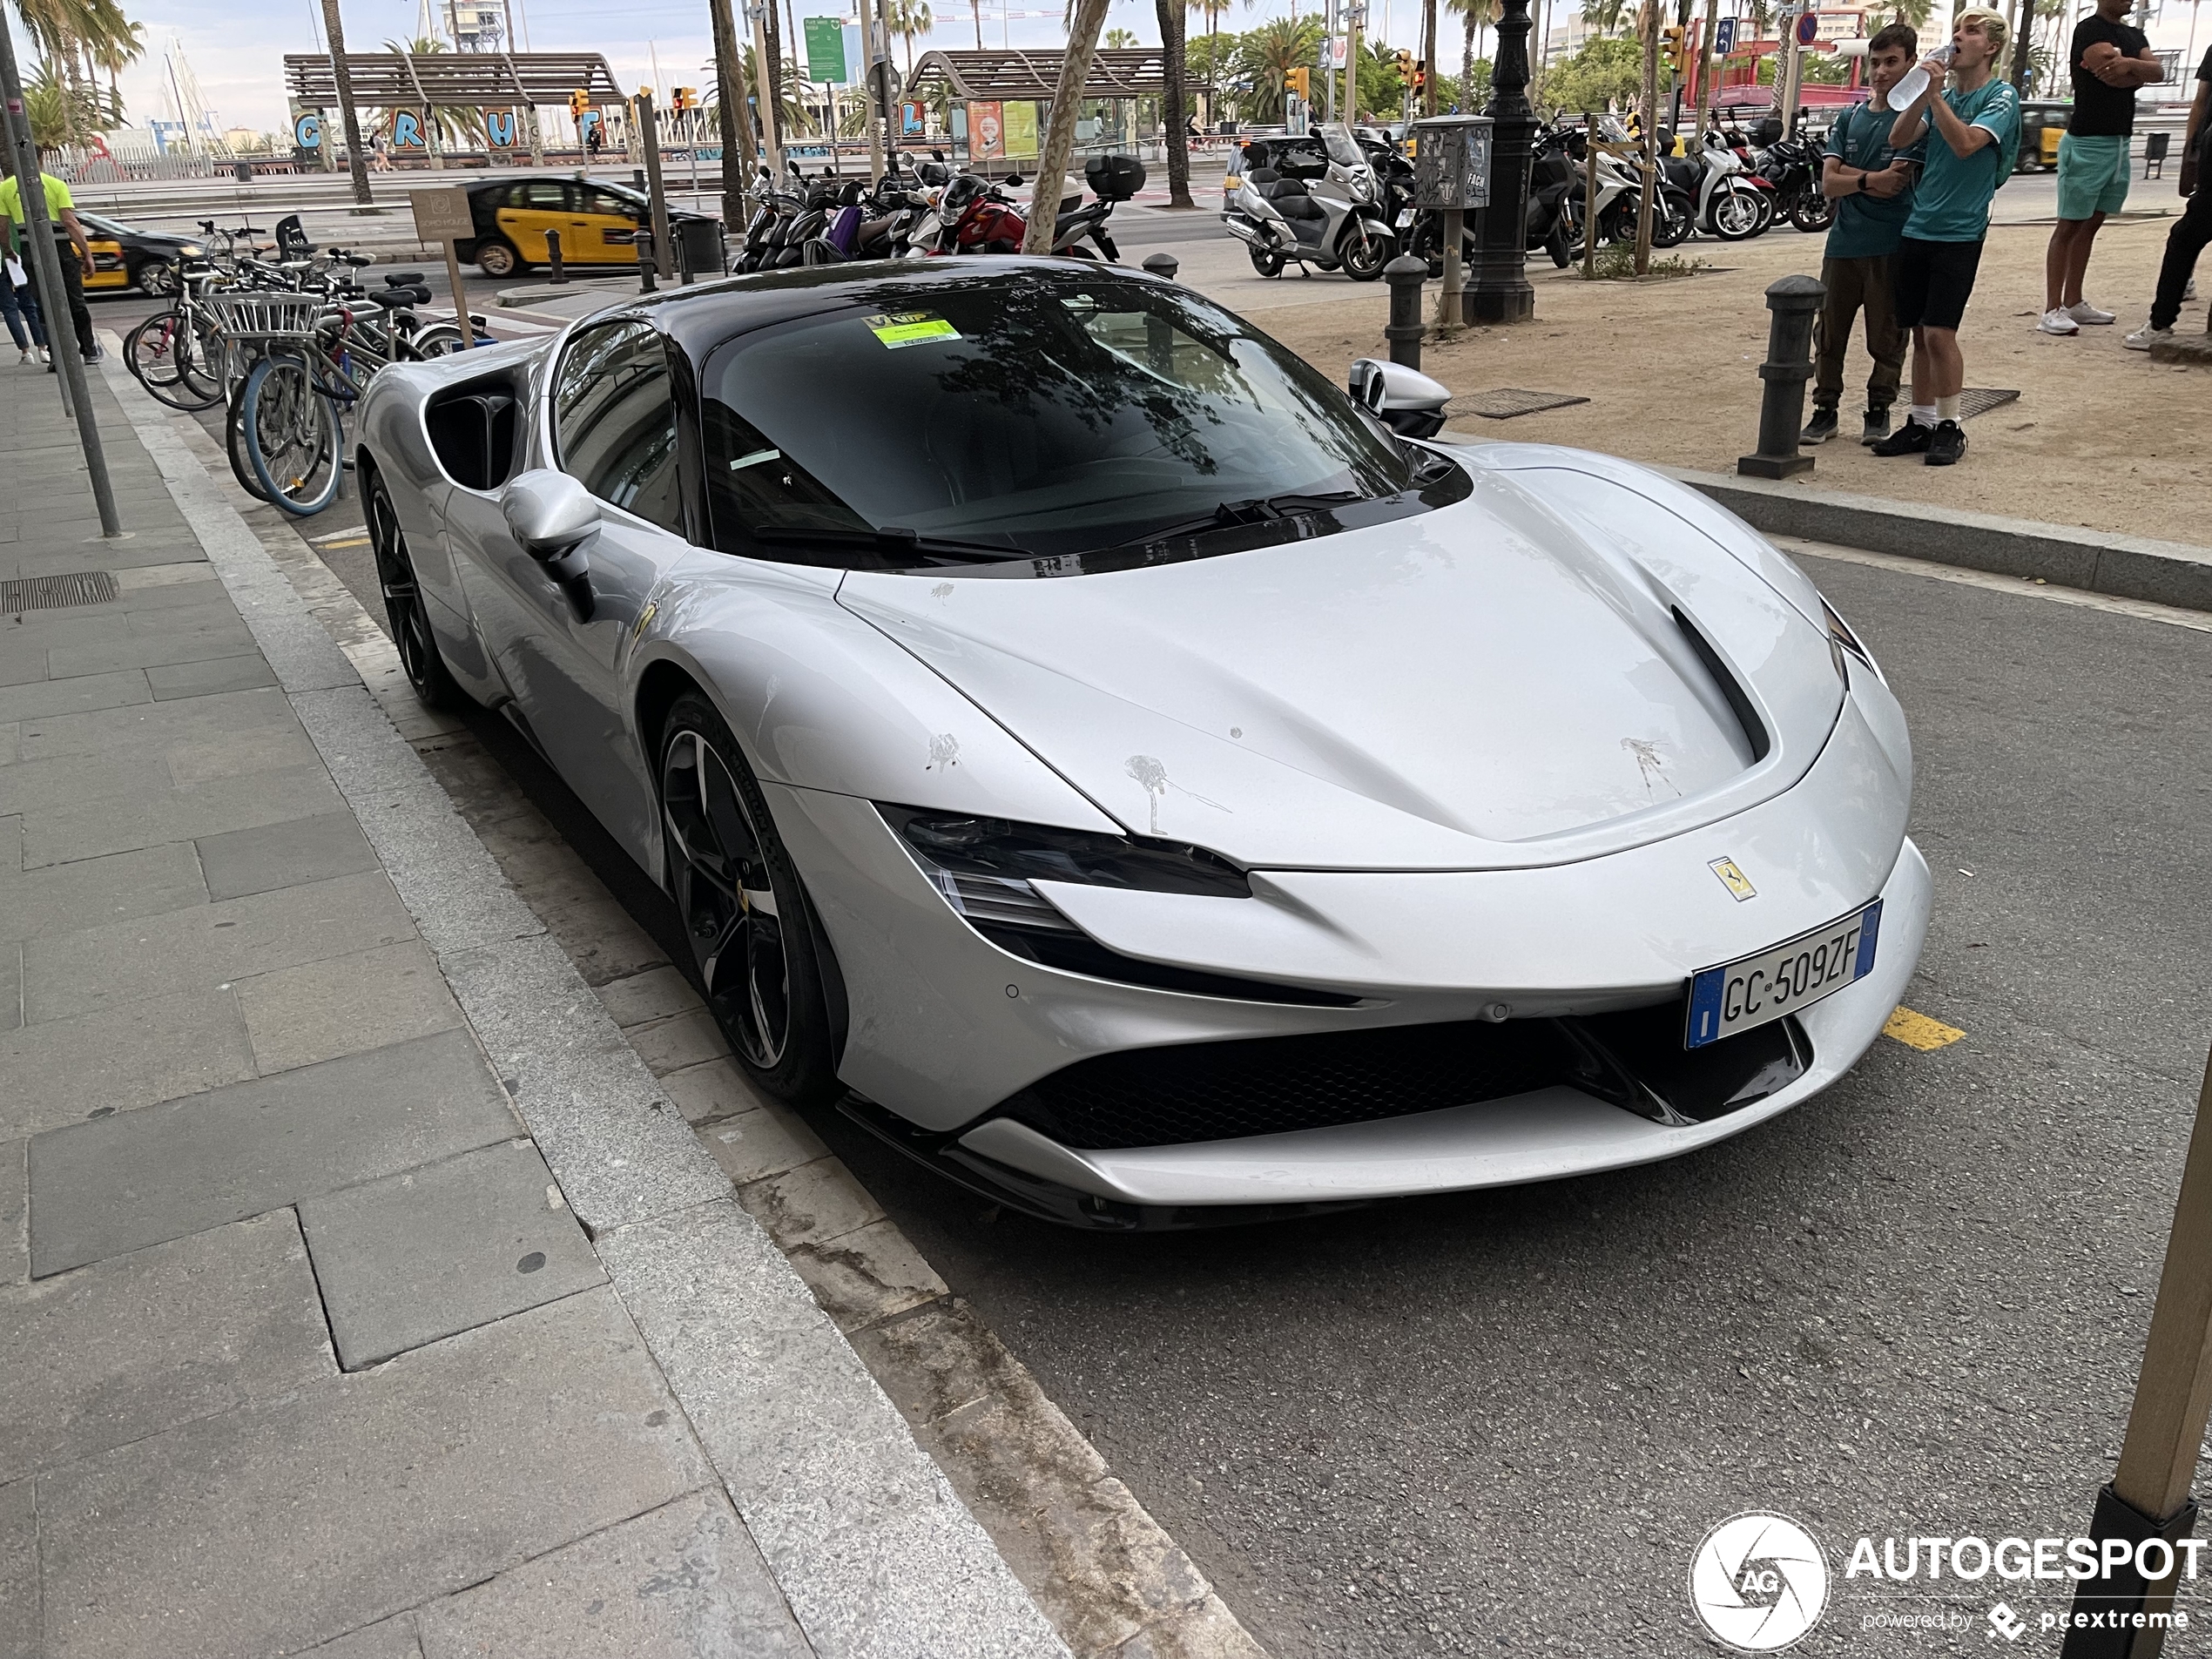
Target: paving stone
{"x":867,"y":1275}
{"x":210,"y":675}
{"x":287,"y":854}
{"x":386,"y":1639}
{"x":291,"y":1521}
{"x":814,"y":1201}
{"x":19,"y":1620}
{"x":195,"y":645}
{"x":715,"y":1089}
{"x":65,"y":697}
{"x":602,"y":940}
{"x":682,"y":1581}
{"x":153,"y":731}
{"x":754,"y":1145}
{"x":673,"y":1045}
{"x":14,"y":1215}
{"x":140,"y":1179}
{"x":90,"y":829}
{"x":129,"y":1347}
{"x":10,"y":986}
{"x":67,"y":898}
{"x":210,"y":945}
{"x":654,"y":995}
{"x":344,"y":1004}
{"x":56,"y":1072}
{"x":416,"y":1257}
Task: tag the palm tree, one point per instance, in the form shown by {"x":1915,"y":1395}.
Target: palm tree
{"x":1475,"y":15}
{"x":908,"y":18}
{"x":1607,"y":15}
{"x":1267,"y":56}
{"x":1212,"y":9}
{"x":1913,"y":12}
{"x":1172,"y":105}
{"x":1120,"y":40}
{"x":356,"y":161}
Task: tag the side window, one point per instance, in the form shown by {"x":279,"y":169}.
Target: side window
{"x":606,"y":201}
{"x":614,"y":421}
{"x":544,"y":195}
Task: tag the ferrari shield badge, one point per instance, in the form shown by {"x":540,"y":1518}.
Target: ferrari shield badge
{"x":1734,"y":880}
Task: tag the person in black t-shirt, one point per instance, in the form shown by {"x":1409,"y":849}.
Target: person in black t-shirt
{"x":2109,"y":61}
{"x":2192,"y":230}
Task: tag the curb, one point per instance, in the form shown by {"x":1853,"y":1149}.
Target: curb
{"x":874,"y":1551}
{"x":2128,"y":566}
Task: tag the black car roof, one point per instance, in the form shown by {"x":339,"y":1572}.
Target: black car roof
{"x":699,"y":319}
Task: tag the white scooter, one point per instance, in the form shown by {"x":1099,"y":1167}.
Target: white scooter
{"x":1730,"y":205}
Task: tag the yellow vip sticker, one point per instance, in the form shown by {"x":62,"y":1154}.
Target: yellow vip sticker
{"x":899,"y":329}
{"x":1733,"y":879}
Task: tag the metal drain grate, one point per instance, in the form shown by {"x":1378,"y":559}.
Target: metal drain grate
{"x":51,"y":592}
{"x":1979,"y":400}
{"x":1507,"y":402}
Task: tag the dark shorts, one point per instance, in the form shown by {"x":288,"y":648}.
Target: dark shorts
{"x":1933,"y":279}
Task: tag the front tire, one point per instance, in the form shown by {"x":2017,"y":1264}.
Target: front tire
{"x":495,"y":257}
{"x":1365,"y":255}
{"x":1740,"y":214}
{"x":743,"y":908}
{"x":158,"y":278}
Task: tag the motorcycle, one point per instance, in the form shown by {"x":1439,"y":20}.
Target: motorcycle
{"x":1731,"y":201}
{"x":1560,"y":180}
{"x":1793,"y":167}
{"x":1333,"y":220}
{"x":977,"y":217}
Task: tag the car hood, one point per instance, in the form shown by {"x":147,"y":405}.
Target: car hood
{"x":1509,"y":681}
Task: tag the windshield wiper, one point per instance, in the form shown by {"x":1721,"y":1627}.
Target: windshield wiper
{"x":1231,"y":515}
{"x":892,"y":538}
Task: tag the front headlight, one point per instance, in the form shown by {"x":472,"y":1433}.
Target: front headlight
{"x":984,"y":866}
{"x":191,"y":251}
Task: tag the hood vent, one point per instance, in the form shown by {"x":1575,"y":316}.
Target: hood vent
{"x":1747,"y":716}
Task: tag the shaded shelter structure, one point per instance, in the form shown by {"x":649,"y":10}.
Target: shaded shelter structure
{"x":997,"y":99}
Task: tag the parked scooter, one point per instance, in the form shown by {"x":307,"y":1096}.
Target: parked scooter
{"x":1732,"y":202}
{"x":1336,"y":221}
{"x":1559,"y":181}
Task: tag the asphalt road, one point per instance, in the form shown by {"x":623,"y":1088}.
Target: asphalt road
{"x":1501,"y":1422}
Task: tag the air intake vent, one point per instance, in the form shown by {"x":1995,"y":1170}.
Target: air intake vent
{"x":1754,"y":731}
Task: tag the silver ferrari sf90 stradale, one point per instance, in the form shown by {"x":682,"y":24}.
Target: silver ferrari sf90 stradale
{"x":1125,"y":772}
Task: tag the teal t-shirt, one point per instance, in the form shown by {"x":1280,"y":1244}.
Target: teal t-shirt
{"x":1952,"y":203}
{"x":1867,"y":227}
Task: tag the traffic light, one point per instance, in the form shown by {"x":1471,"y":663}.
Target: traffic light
{"x":1405,"y":66}
{"x":1670,"y":49}
{"x":1420,"y":74}
{"x":687,"y":97}
{"x":1300,"y":81}
{"x":579,"y":101}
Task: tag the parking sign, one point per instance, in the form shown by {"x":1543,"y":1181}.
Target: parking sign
{"x":1724,"y":38}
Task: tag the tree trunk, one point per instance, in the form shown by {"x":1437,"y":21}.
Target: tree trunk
{"x":333,"y":31}
{"x":1648,"y":24}
{"x":1060,"y":132}
{"x":737,"y":129}
{"x":1171,"y":116}
{"x":1466,"y":65}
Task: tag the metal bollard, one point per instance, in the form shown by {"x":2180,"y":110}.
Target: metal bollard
{"x":1795,"y":301}
{"x":1406,"y":274}
{"x":1163,"y":265}
{"x":646,"y":260}
{"x":553,"y":258}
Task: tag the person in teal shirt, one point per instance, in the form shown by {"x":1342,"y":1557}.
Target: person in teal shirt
{"x":1974,"y":132}
{"x":1869,"y":181}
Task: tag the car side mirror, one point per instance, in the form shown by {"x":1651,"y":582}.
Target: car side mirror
{"x":1404,"y":399}
{"x":549,"y":515}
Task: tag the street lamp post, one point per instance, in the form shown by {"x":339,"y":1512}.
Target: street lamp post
{"x":1499,"y":290}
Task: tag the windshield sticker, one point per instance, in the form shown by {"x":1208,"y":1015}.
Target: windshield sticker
{"x":902,"y":328}
{"x":756,"y":458}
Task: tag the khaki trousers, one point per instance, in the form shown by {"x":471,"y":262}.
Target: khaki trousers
{"x":1853,"y":283}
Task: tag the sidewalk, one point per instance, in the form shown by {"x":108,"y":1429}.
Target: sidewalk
{"x":316,"y":1324}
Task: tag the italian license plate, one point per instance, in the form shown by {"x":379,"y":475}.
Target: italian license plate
{"x":1404,"y":217}
{"x":1781,"y":979}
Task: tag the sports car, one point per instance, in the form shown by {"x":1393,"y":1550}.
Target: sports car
{"x":1124,"y":771}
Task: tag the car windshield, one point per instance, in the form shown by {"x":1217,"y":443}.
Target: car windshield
{"x":1037,"y":414}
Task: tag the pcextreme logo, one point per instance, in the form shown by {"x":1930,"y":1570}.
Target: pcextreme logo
{"x":1758,"y":1581}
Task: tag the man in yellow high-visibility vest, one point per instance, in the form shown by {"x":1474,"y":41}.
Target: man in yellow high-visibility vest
{"x":61,"y":212}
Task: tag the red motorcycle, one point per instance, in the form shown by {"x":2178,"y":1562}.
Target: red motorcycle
{"x":976,"y":217}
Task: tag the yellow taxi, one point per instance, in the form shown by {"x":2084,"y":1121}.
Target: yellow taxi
{"x":598,"y":223}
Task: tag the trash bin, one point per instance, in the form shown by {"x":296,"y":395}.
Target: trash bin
{"x":243,"y":172}
{"x":698,"y":246}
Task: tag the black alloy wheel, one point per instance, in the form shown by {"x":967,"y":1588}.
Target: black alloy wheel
{"x":742,"y":908}
{"x":404,"y":604}
{"x":158,"y":278}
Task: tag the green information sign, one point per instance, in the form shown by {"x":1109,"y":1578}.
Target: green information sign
{"x":825,"y":50}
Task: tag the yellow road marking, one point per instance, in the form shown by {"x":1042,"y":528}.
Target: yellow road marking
{"x":344,"y":541}
{"x":1918,"y":1031}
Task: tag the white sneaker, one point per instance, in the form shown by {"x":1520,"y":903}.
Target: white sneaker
{"x":2057,"y":322}
{"x":2145,"y":337}
{"x":2087,"y":312}
{"x":2189,"y":292}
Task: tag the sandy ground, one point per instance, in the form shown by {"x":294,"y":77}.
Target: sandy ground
{"x":2100,"y":436}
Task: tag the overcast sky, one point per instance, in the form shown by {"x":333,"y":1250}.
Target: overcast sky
{"x":235,"y":47}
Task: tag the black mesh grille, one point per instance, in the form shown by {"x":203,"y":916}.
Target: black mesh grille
{"x":1214,"y":1091}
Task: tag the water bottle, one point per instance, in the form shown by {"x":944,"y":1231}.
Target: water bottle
{"x":1914,"y":80}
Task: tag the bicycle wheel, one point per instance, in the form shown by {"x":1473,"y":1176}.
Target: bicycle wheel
{"x":292,"y":436}
{"x":234,"y":445}
{"x":436,"y":340}
{"x":162,"y":352}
